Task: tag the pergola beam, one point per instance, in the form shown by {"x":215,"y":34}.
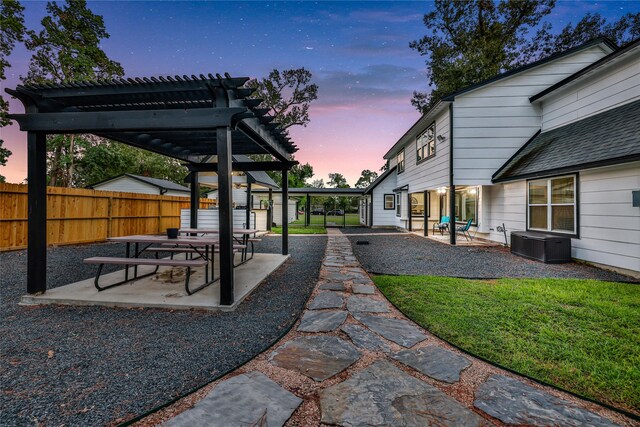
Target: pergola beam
{"x":127,"y":121}
{"x":243,"y":166}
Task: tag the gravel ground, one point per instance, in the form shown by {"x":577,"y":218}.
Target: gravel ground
{"x":99,"y":366}
{"x":414,"y":255}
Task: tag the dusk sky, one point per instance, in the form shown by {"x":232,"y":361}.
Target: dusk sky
{"x":358,"y":53}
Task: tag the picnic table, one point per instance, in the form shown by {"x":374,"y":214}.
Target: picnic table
{"x":203,"y":246}
{"x":245,"y":240}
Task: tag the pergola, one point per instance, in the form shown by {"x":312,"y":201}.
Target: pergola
{"x":202,"y":120}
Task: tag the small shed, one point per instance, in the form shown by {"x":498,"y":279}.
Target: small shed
{"x":142,"y":184}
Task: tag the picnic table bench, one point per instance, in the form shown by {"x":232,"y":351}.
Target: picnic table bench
{"x":157,"y":262}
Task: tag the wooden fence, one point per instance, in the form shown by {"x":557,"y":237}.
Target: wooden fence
{"x":76,"y":215}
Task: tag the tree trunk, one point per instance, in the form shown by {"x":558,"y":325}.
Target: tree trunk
{"x":72,"y":156}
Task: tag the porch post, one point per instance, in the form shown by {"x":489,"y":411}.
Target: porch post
{"x":425,"y":207}
{"x":307,"y":212}
{"x":195,"y":199}
{"x":409,"y":222}
{"x":270,"y":210}
{"x":285,"y":212}
{"x":452,"y":214}
{"x":248,"y":205}
{"x":225,"y":215}
{"x":37,"y":212}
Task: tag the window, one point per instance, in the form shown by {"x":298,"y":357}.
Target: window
{"x":398,"y":206}
{"x":426,"y":143}
{"x":417,"y":204}
{"x":401,"y":161}
{"x":467,"y":204}
{"x":551,"y":204}
{"x":389,"y":202}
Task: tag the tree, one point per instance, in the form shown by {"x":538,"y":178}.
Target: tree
{"x":470,"y":41}
{"x":474,"y":40}
{"x":366,"y":178}
{"x":591,"y":26}
{"x":287,"y":94}
{"x":317,"y":183}
{"x":299,"y":174}
{"x":107,"y":159}
{"x":337,"y":180}
{"x":67,"y":49}
{"x":13,"y":30}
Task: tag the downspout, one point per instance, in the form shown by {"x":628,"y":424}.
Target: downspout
{"x":452,"y":187}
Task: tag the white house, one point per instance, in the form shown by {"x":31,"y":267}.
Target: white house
{"x":553,"y":146}
{"x":142,"y":184}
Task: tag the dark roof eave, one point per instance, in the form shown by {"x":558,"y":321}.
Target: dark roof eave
{"x":378,"y":180}
{"x":570,"y":169}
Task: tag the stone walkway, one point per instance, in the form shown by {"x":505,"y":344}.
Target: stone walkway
{"x":354,"y":360}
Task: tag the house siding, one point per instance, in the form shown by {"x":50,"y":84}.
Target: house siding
{"x":494,"y":121}
{"x":609,"y":224}
{"x":382,"y":217}
{"x":506,"y":205}
{"x":618,"y":84}
{"x":129,"y":185}
{"x":431,"y":173}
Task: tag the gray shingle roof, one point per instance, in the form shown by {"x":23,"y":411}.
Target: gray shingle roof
{"x":161,"y":183}
{"x":259,"y":177}
{"x":606,"y":138}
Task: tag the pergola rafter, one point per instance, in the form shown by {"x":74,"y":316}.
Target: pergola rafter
{"x":188,"y":118}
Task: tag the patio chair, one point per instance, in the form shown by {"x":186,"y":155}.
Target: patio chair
{"x":443,"y":225}
{"x":464,"y":229}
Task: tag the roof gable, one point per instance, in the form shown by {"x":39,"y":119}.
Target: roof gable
{"x":607,"y":138}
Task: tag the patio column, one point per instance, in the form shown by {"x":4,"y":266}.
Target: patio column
{"x":37,"y":212}
{"x":425,"y":208}
{"x":195,"y":199}
{"x":410,"y":224}
{"x":452,"y":214}
{"x":285,"y":212}
{"x":225,"y":215}
{"x":248,"y":217}
{"x":270,"y":210}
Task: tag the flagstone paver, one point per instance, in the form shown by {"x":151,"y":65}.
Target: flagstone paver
{"x":365,"y":339}
{"x":397,"y":330}
{"x":333,"y":286}
{"x":435,"y":362}
{"x":318,"y":357}
{"x":381,"y":393}
{"x":321,"y":321}
{"x":513,"y":402}
{"x":363,"y":289}
{"x":325,"y":300}
{"x":242,"y":400}
{"x":357,"y":303}
{"x":384,"y":395}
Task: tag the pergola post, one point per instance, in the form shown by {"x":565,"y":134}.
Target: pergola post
{"x":270,"y":210}
{"x":195,"y":199}
{"x":225,"y":213}
{"x":248,"y":223}
{"x":308,"y":211}
{"x":37,"y":212}
{"x":285,"y":212}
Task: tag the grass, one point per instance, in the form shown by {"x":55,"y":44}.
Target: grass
{"x":351,"y":219}
{"x":300,"y":230}
{"x":580,"y":335}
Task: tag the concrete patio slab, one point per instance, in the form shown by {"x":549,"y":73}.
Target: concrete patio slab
{"x":161,"y":290}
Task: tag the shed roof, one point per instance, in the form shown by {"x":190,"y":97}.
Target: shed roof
{"x":162,"y":184}
{"x":607,"y":138}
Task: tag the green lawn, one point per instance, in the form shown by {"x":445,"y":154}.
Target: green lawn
{"x":351,"y":219}
{"x":300,"y":230}
{"x":580,"y":335}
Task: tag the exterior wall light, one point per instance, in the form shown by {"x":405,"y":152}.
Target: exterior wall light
{"x":441,"y":138}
